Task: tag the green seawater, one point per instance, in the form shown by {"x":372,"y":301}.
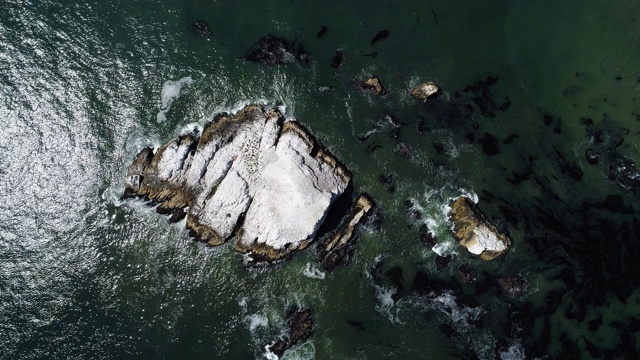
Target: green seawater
{"x":85,"y":275}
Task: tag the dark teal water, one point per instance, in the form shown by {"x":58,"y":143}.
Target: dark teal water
{"x":86,"y":275}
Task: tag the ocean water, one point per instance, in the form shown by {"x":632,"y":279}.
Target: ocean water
{"x":85,"y":85}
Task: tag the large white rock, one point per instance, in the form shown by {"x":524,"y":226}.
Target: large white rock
{"x":251,"y":175}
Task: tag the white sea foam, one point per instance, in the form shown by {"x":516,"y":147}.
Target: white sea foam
{"x":256,"y":320}
{"x":514,"y":352}
{"x":313,"y":272}
{"x":386,"y":305}
{"x":435,"y":212}
{"x":458,"y":314}
{"x":304,"y":351}
{"x":169,"y":93}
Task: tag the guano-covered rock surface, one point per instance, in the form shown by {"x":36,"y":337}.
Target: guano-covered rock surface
{"x":253,"y":176}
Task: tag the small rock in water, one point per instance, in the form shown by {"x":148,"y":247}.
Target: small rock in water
{"x":440,"y":149}
{"x":395,"y":276}
{"x":336,"y":61}
{"x":468,"y":274}
{"x":426,"y":237}
{"x":422,"y":126}
{"x":395,"y":133}
{"x":425,"y":91}
{"x":322,"y":32}
{"x":379,"y":36}
{"x":272,"y":50}
{"x":623,"y":171}
{"x":475,"y":232}
{"x":423,"y":284}
{"x":404,"y":150}
{"x":443,"y":261}
{"x":514,"y":285}
{"x":510,"y":139}
{"x":374,"y":84}
{"x":592,"y":156}
{"x":302,"y":54}
{"x":413,"y":212}
{"x":200,"y":27}
{"x":389,"y":182}
{"x":356,"y":324}
{"x":489,"y":144}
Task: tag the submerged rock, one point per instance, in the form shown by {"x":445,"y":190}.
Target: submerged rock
{"x":382,"y":34}
{"x":425,"y":90}
{"x":338,"y":245}
{"x":388,"y":181}
{"x":200,"y":27}
{"x":300,"y":328}
{"x":374,"y":84}
{"x":426,"y":236}
{"x":467,"y":273}
{"x":337,"y":59}
{"x":404,"y":150}
{"x":322,"y":31}
{"x":272,"y":50}
{"x":513,"y":285}
{"x":442,"y":261}
{"x":623,"y":171}
{"x":253,"y":176}
{"x":356,"y":324}
{"x":475,"y":232}
{"x":592,"y":156}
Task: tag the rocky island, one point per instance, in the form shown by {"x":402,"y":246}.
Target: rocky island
{"x":252,"y":176}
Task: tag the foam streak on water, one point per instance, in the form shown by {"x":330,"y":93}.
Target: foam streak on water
{"x":170,"y":92}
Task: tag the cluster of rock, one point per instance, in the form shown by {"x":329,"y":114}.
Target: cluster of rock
{"x":251,"y":176}
{"x":422,"y":92}
{"x":475,"y":232}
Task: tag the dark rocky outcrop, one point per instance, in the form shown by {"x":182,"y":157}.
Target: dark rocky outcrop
{"x":300,"y":328}
{"x":443,"y":261}
{"x":426,"y":237}
{"x":272,"y":50}
{"x":337,"y":246}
